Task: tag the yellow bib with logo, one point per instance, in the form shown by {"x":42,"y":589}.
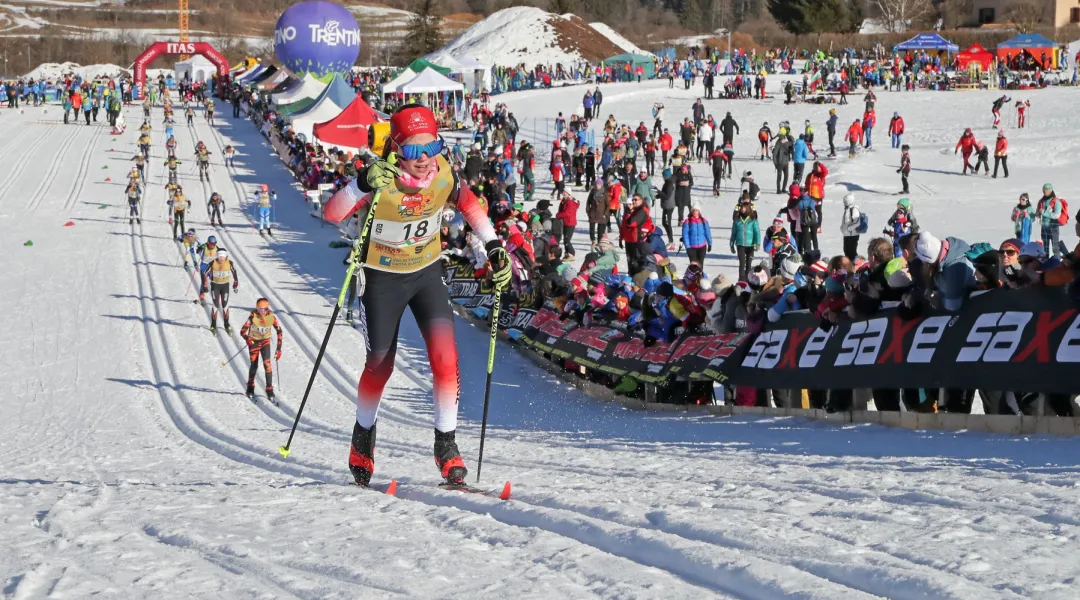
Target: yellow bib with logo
{"x":221,"y":272}
{"x":405,"y":233}
{"x":179,"y":203}
{"x":264,"y":200}
{"x":261,"y":326}
{"x":209,"y":253}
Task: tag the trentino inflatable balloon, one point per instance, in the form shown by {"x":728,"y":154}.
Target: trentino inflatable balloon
{"x":320,"y":38}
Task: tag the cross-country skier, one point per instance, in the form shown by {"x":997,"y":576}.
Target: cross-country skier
{"x":207,"y":253}
{"x":219,"y":275}
{"x":1021,"y":111}
{"x":230,"y":154}
{"x":412,"y":186}
{"x":256,"y":333}
{"x":172,"y":164}
{"x":134,"y":199}
{"x":764,"y":135}
{"x":140,"y":164}
{"x":189,"y":247}
{"x":214,"y":207}
{"x":996,"y":109}
{"x":170,"y":146}
{"x":210,"y":111}
{"x":905,"y":167}
{"x":202,"y":161}
{"x":264,"y":199}
{"x":144,"y":145}
{"x":189,"y":115}
{"x":178,"y":205}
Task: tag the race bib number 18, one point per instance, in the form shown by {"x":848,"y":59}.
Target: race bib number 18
{"x":406,"y":233}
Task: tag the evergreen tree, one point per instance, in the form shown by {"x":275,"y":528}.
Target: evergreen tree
{"x":811,"y":16}
{"x":422,"y":36}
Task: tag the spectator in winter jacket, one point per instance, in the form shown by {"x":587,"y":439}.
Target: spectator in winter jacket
{"x":902,"y":224}
{"x":983,"y":154}
{"x":1001,"y":154}
{"x":745,"y":237}
{"x":952,"y":273}
{"x":781,"y":247}
{"x":966,"y":146}
{"x":696,"y":236}
{"x":729,"y":128}
{"x":787,"y":300}
{"x":830,"y":126}
{"x":635,"y":229}
{"x":896,"y":130}
{"x":854,"y":137}
{"x":1048,"y":211}
{"x":686,"y":135}
{"x":807,"y":223}
{"x":781,"y":156}
{"x":869,"y":120}
{"x":642,"y":186}
{"x":684,"y":182}
{"x":596,"y":208}
{"x":849,"y":227}
{"x":815,"y":186}
{"x":567,"y":213}
{"x":905,"y":167}
{"x":1023,"y":215}
{"x":704,"y":141}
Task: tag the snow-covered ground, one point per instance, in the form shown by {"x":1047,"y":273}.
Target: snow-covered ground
{"x":134,"y":467}
{"x":617,"y":39}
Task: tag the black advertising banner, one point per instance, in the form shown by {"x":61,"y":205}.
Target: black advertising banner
{"x":1025,"y":340}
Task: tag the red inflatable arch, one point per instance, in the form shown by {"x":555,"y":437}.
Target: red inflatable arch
{"x":163,"y":48}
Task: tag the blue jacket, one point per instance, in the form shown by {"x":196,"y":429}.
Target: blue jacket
{"x":805,"y":203}
{"x":745,"y":232}
{"x":955,"y":278}
{"x":782,"y":305}
{"x":696,"y":234}
{"x":801,"y":152}
{"x":656,"y":243}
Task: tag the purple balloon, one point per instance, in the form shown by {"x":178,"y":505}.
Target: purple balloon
{"x":320,"y":38}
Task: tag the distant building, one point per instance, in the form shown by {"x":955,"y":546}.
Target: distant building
{"x":1056,"y":13}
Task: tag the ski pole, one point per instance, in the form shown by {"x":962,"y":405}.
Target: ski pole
{"x":225,"y":362}
{"x":277,"y":367}
{"x":487,"y":386}
{"x":355,"y":256}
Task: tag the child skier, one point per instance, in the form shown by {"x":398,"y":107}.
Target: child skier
{"x":217,"y":278}
{"x":264,"y":199}
{"x":256,"y":333}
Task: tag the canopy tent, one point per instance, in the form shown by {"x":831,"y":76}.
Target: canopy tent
{"x":274,"y":81}
{"x":475,"y":75}
{"x":391,"y":86}
{"x":1042,"y":50}
{"x":348,"y":131}
{"x":927,"y":41}
{"x":261,"y":77}
{"x":328,"y":105}
{"x":197,"y":69}
{"x":420,"y":64}
{"x":975,"y":54}
{"x":309,"y":88}
{"x":250,"y":75}
{"x":428,"y":81}
{"x":619,"y":62}
{"x":285,"y":85}
{"x":244,"y":65}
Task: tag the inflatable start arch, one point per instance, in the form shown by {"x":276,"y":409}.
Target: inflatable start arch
{"x":167,"y":48}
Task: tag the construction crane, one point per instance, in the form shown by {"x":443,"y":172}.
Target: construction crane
{"x":185,"y":31}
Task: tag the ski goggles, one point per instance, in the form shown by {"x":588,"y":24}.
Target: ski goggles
{"x":415,"y":151}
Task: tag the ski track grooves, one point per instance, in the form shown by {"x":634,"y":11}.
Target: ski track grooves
{"x":54,"y":167}
{"x":27,"y":154}
{"x":84,"y":166}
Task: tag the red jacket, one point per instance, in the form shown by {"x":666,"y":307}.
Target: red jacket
{"x":815,"y":182}
{"x":665,"y":142}
{"x":636,"y":225}
{"x":568,"y":211}
{"x":966,"y":144}
{"x":896,"y":125}
{"x":1002,"y":147}
{"x":854,"y":133}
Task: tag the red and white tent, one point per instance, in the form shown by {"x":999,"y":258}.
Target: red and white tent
{"x":349,"y":130}
{"x":976,"y":53}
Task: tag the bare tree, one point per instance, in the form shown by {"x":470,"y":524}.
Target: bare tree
{"x":898,"y":15}
{"x":1025,"y":14}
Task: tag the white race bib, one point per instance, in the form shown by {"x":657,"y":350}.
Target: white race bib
{"x":405,"y":233}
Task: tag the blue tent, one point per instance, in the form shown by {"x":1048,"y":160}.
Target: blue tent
{"x":1027,"y":41}
{"x":927,"y":41}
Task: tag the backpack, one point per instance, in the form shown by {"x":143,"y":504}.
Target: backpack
{"x":1063,"y":218}
{"x":808,"y":218}
{"x":864,"y":223}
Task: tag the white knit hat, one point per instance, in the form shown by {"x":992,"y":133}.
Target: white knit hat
{"x":928,"y":248}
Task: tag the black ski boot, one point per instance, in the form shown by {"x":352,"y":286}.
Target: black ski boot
{"x":448,"y":459}
{"x":270,"y":394}
{"x":362,"y":454}
{"x":348,"y":316}
{"x":250,"y":393}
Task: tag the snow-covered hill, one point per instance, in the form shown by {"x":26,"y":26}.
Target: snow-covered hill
{"x":532,"y":36}
{"x":617,"y":39}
